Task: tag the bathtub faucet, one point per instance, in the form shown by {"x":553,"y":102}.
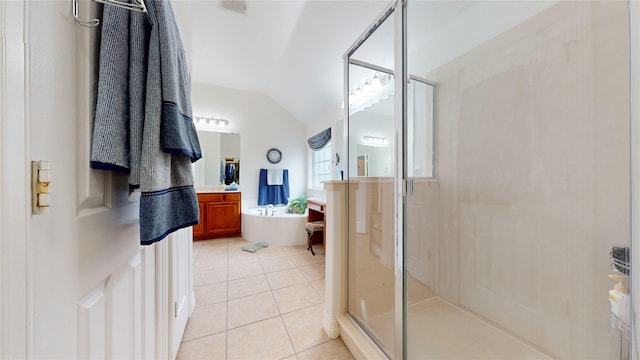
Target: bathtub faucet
{"x":266,"y":211}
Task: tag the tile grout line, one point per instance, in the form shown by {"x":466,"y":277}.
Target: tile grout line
{"x":202,"y":337}
{"x":265,"y":291}
{"x":295,"y":353}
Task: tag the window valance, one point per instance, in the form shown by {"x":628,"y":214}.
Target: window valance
{"x":319,"y":140}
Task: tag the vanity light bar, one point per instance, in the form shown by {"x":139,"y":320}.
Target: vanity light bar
{"x":375,"y":139}
{"x":213,"y":121}
{"x":369,"y":88}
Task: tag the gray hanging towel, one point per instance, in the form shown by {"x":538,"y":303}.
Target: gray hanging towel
{"x":143,"y":123}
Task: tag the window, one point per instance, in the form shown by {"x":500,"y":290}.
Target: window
{"x":321,"y":166}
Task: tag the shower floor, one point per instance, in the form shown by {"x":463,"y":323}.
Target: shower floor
{"x":439,"y":330}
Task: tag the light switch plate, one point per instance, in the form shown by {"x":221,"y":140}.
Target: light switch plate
{"x":40,"y":187}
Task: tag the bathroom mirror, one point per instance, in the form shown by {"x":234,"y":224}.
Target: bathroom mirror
{"x":220,"y":163}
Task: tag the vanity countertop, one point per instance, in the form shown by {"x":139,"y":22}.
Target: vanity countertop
{"x":213,"y":189}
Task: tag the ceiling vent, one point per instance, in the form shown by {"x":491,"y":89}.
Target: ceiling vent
{"x":239,"y":6}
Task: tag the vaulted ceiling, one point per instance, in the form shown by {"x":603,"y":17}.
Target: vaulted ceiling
{"x":288,"y":50}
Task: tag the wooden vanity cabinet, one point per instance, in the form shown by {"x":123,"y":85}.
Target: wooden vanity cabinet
{"x":198,"y":230}
{"x":219,"y":215}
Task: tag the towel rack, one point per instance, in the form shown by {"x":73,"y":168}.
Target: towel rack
{"x":137,"y":5}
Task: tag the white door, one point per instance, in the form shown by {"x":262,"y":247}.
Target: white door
{"x":90,"y":278}
{"x":91,"y":290}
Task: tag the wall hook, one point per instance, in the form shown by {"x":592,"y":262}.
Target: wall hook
{"x":86,"y":23}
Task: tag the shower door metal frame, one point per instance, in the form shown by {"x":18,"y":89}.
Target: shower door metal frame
{"x":401,"y":88}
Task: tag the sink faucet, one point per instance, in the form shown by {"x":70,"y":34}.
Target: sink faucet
{"x":266,"y":211}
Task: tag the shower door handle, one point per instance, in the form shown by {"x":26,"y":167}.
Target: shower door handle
{"x":408,"y":187}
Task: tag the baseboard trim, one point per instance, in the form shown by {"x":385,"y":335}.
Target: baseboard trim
{"x":361,"y":347}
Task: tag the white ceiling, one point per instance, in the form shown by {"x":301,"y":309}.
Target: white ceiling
{"x":288,"y":50}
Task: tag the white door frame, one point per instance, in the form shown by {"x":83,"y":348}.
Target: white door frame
{"x":14,"y":184}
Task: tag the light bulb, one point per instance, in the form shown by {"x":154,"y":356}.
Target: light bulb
{"x":375,"y":83}
{"x":358,"y":94}
{"x":367,"y":89}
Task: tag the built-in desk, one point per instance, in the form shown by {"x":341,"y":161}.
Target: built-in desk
{"x":316,"y":208}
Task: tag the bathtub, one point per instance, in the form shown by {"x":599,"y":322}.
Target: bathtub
{"x":279,"y":229}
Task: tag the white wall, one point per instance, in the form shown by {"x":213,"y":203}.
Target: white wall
{"x":230,"y":145}
{"x":453,"y":38}
{"x":324,"y":120}
{"x":262,"y":124}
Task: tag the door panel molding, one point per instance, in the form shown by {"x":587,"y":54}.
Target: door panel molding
{"x":94,"y":187}
{"x":112,"y":317}
{"x":92,"y":323}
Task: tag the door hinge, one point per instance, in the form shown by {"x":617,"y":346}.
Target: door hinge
{"x":175,"y":309}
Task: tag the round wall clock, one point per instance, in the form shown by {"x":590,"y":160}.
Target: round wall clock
{"x":274,"y":156}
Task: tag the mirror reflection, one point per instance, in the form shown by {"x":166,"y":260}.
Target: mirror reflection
{"x":371,"y":122}
{"x":220,"y":163}
{"x":420,"y":126}
{"x":371,"y":112}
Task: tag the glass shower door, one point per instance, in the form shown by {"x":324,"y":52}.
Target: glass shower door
{"x":371,"y":169}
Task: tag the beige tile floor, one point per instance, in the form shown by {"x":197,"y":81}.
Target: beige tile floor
{"x":269,"y":305}
{"x":262,"y":305}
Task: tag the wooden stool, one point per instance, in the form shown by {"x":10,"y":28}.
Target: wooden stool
{"x":315,"y":227}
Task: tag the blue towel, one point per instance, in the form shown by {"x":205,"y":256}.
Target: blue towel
{"x":273,"y":194}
